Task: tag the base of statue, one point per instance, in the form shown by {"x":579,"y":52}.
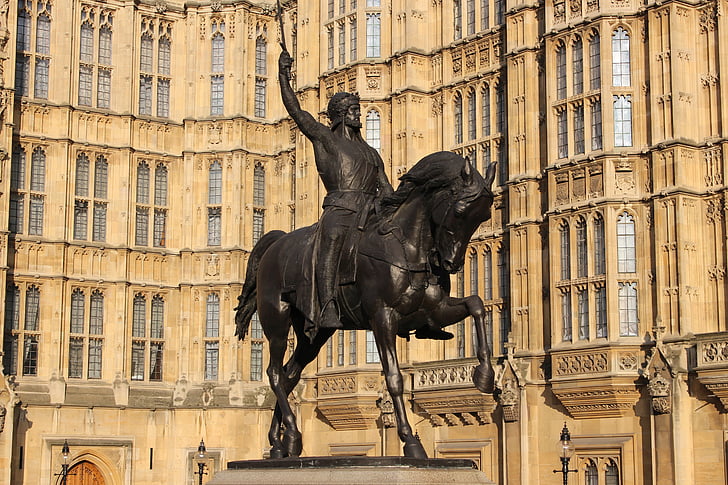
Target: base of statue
{"x":362,"y":470}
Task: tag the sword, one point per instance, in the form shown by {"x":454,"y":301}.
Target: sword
{"x":279,"y":14}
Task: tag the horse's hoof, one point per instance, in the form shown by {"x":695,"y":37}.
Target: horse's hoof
{"x":277,"y":453}
{"x":484,"y":378}
{"x":414,"y":449}
{"x":292,"y":443}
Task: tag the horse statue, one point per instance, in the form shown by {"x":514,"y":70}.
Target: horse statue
{"x":404,"y":259}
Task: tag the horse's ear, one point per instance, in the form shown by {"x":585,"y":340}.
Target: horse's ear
{"x":490,"y":174}
{"x":467,"y":172}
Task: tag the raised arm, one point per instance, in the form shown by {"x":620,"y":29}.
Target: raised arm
{"x":305,"y":121}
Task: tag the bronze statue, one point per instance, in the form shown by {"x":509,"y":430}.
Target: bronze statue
{"x":403,"y":261}
{"x":353,"y":175}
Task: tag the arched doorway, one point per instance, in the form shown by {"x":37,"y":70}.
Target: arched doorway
{"x":85,"y":473}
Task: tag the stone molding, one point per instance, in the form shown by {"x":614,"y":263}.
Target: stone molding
{"x":712,"y":365}
{"x":464,"y":408}
{"x":349,"y":401}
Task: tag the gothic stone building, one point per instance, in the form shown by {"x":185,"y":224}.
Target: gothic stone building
{"x":145,"y":149}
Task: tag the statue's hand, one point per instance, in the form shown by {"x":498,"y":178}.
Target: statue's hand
{"x":285,"y":61}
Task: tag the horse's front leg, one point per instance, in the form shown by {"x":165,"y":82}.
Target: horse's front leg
{"x":453,"y":310}
{"x":384,"y":327}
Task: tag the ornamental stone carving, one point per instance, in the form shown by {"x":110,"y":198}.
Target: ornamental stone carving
{"x":587,"y":363}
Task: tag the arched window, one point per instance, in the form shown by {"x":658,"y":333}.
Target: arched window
{"x":37,"y":170}
{"x":23,"y":35}
{"x":623,"y":121}
{"x":160,"y":185}
{"x":157,"y":322}
{"x":139,"y":315}
{"x":77,"y":311}
{"x":591,"y":474}
{"x":458,"y":118}
{"x":577,"y":66}
{"x":565,"y":243}
{"x":626,"y":252}
{"x":17,"y":169}
{"x":212,"y":320}
{"x":374,"y":130}
{"x":471,"y":116}
{"x":474,"y":274}
{"x":562,"y":135}
{"x":217,"y":80}
{"x":82,"y":175}
{"x":142,"y":195}
{"x":561,"y":71}
{"x":96,"y":318}
{"x":457,"y":16}
{"x":214,"y":183}
{"x":620,"y":58}
{"x":611,"y":475}
{"x":101,"y":178}
{"x":595,"y":67}
{"x":374,"y":22}
{"x":261,"y":48}
{"x":164,"y":54}
{"x":578,"y":128}
{"x":261,"y":69}
{"x":485,"y":115}
{"x":43,"y":34}
{"x":599,"y":246}
{"x":145,"y":53}
{"x":581,"y":249}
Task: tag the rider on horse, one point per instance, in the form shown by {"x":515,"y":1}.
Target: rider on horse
{"x":353,"y":174}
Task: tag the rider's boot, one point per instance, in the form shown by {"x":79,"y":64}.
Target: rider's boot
{"x":432,"y":332}
{"x":330,"y":316}
{"x":326,"y":281}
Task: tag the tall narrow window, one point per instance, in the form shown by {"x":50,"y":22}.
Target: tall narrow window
{"x":591,"y":474}
{"x":600,"y":311}
{"x":215,"y":183}
{"x":373,"y":35}
{"x":261,"y":69}
{"x":485,"y":115}
{"x":339,"y":348}
{"x":582,"y":298}
{"x":623,"y":121}
{"x":156,"y":334}
{"x":258,"y":224}
{"x":561,"y":71}
{"x":372,"y":352}
{"x":626,"y":244}
{"x":500,"y":109}
{"x":488,"y":275}
{"x":565,"y":240}
{"x":611,"y":475}
{"x":458,"y":118}
{"x":164,"y":56}
{"x":352,"y":39}
{"x":581,"y":249}
{"x":212,"y":334}
{"x":330,"y":47}
{"x":457,"y":17}
{"x":566,"y":315}
{"x":37,"y":170}
{"x":498,"y":11}
{"x":217,"y":79}
{"x":595,"y":67}
{"x":484,"y":15}
{"x":214,"y":226}
{"x":352,"y":347}
{"x":85,"y":80}
{"x":259,"y":186}
{"x":577,"y":58}
{"x":471,"y":116}
{"x":142,"y":185}
{"x":374,"y":130}
{"x":628,"y":320}
{"x":82,"y":175}
{"x":620,"y":58}
{"x":562,"y":134}
{"x":342,"y":43}
{"x":471,"y":17}
{"x":596,"y":125}
{"x":600,"y":263}
{"x":256,"y":349}
{"x":579,"y":129}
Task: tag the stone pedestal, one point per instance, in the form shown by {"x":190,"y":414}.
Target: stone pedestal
{"x":350,"y":470}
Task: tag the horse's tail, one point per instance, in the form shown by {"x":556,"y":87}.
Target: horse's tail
{"x":247,"y":301}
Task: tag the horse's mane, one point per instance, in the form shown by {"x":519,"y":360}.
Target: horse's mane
{"x":434,"y":172}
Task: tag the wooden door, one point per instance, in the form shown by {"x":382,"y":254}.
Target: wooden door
{"x":85,"y":473}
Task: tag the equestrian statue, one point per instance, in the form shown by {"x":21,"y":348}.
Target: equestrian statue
{"x":377,"y":260}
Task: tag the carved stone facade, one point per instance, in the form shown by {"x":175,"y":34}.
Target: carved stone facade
{"x":602,"y":268}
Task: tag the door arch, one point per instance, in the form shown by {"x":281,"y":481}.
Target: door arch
{"x":85,"y":473}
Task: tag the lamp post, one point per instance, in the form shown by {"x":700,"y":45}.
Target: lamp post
{"x":566,"y":451}
{"x":65,"y":453}
{"x":201,"y":455}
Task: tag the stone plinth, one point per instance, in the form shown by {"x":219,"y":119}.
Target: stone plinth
{"x":350,"y":470}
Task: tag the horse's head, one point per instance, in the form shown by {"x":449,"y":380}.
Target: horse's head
{"x":457,"y":211}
